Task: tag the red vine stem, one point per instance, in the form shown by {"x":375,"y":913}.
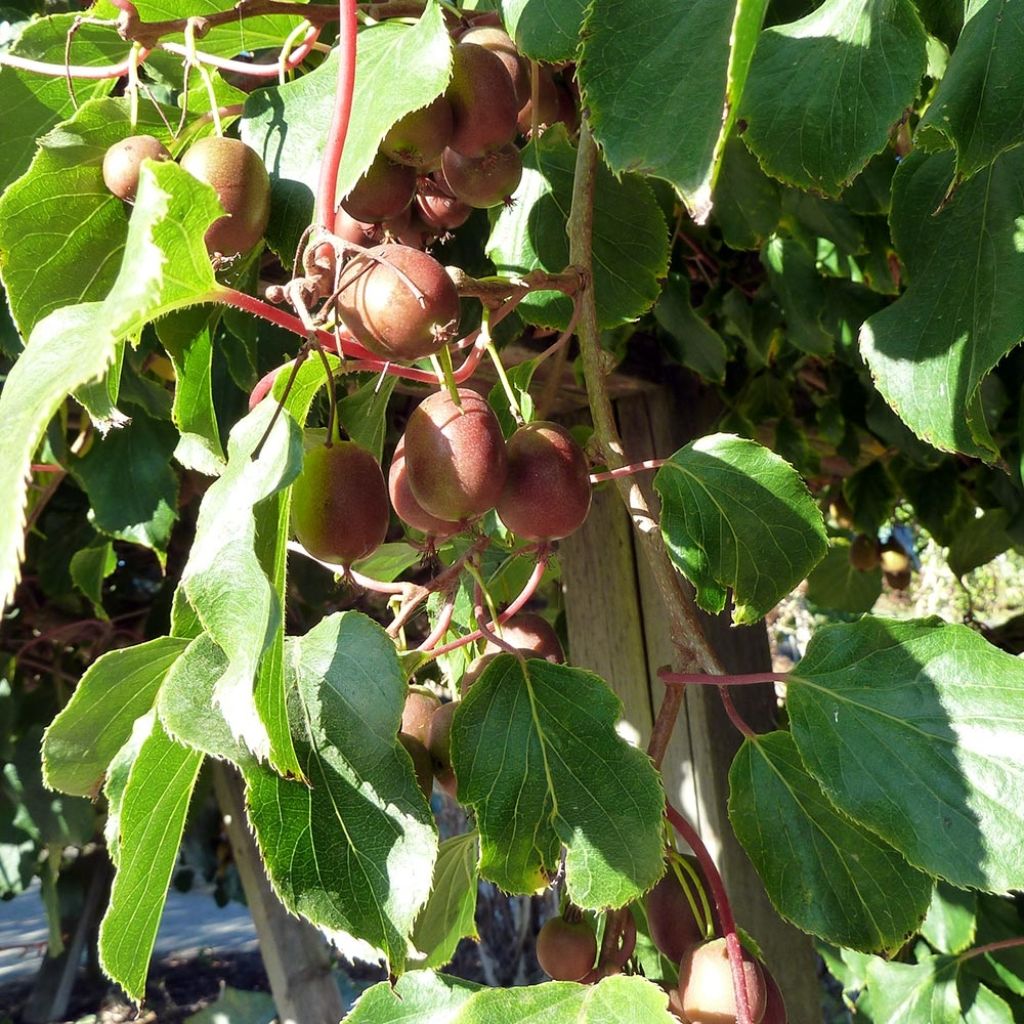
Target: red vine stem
{"x":624,"y":471}
{"x":100,"y":71}
{"x":702,"y":679}
{"x":991,"y":947}
{"x":328,"y":185}
{"x":734,"y":716}
{"x":46,"y":467}
{"x":241,"y":67}
{"x":693,"y":840}
{"x":444,"y":621}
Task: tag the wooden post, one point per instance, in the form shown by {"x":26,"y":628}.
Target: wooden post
{"x":296,"y":956}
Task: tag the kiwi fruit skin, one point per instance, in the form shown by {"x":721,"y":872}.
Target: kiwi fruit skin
{"x":439,"y":744}
{"x":385,"y":314}
{"x":442,"y":212}
{"x":404,"y":502}
{"x":455,"y":457}
{"x":864,"y":553}
{"x":483,"y":101}
{"x":670,"y":920}
{"x":383,"y":192}
{"x":420,"y":138}
{"x":775,"y":1006}
{"x":532,"y":634}
{"x":340,"y":510}
{"x":420,"y":705}
{"x":357,"y":232}
{"x":549,"y":109}
{"x":898,"y":580}
{"x":421,"y":762}
{"x":706,"y":988}
{"x":485,"y":181}
{"x":547,"y":491}
{"x":242,"y":184}
{"x":566,"y":950}
{"x":123,"y":161}
{"x":894,"y":558}
{"x":500,"y":43}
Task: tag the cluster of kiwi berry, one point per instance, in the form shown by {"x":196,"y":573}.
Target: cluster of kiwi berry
{"x":868,"y":553}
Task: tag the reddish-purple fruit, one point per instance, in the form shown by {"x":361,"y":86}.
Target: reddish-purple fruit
{"x":670,"y":919}
{"x":706,"y":989}
{"x":421,"y":762}
{"x":340,"y":507}
{"x":566,"y":950}
{"x":499,"y":42}
{"x":408,"y":229}
{"x":484,"y":181}
{"x":442,"y":213}
{"x":242,"y":184}
{"x":419,"y":138}
{"x":483,"y":101}
{"x":404,"y":502}
{"x":419,"y":708}
{"x":533,"y":634}
{"x":864,"y":553}
{"x":474,"y":671}
{"x":898,"y":580}
{"x":123,"y":161}
{"x":547,"y":490}
{"x":356,"y":231}
{"x":548,"y":110}
{"x":384,"y":191}
{"x":455,"y":456}
{"x":774,"y":1006}
{"x":398,"y":302}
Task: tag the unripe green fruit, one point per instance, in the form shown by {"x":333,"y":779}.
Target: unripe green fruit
{"x":420,"y":138}
{"x":340,"y":508}
{"x":123,"y":161}
{"x":455,"y":457}
{"x":419,"y":708}
{"x":484,"y":181}
{"x":500,"y":43}
{"x":398,"y":302}
{"x":894,"y":558}
{"x":706,"y":989}
{"x":547,"y":490}
{"x":532,"y":634}
{"x":864,"y":553}
{"x":404,"y":502}
{"x":421,"y":762}
{"x":483,"y":101}
{"x":384,"y":191}
{"x":566,"y":950}
{"x":242,"y":184}
{"x":670,"y":920}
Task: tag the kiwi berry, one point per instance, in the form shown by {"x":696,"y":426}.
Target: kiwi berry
{"x":357,"y":232}
{"x":242,"y":184}
{"x":894,"y":557}
{"x":774,"y":1005}
{"x":474,"y":671}
{"x":439,"y":744}
{"x":420,"y":705}
{"x":123,"y":161}
{"x":839,"y":509}
{"x":532,"y":634}
{"x":670,"y":920}
{"x":421,"y":762}
{"x":404,"y":502}
{"x":442,"y":212}
{"x":547,"y":490}
{"x":483,"y":101}
{"x":864,"y":553}
{"x":384,"y":191}
{"x":706,"y":989}
{"x":484,"y":181}
{"x":566,"y":950}
{"x":455,"y":456}
{"x":898,"y":580}
{"x":340,"y":507}
{"x":420,"y":138}
{"x":398,"y":302}
{"x":548,"y":108}
{"x":500,"y":43}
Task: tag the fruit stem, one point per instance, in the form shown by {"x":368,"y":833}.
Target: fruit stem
{"x":686,"y":633}
{"x":702,"y":679}
{"x":328,"y":185}
{"x":734,"y":715}
{"x":367,"y":582}
{"x":991,"y":947}
{"x":444,"y":621}
{"x":481,"y":595}
{"x":488,"y":343}
{"x":442,"y":364}
{"x":624,"y":471}
{"x":691,"y":837}
{"x":99,"y":72}
{"x":702,"y":915}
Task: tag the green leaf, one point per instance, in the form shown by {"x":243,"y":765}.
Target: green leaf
{"x":736,"y":515}
{"x":62,"y":196}
{"x":835,"y":584}
{"x":964,"y":306}
{"x":694,"y":57}
{"x":871,"y":496}
{"x":450,"y":912}
{"x":985,"y":1007}
{"x":630,"y":236}
{"x":352,"y":850}
{"x":399,"y":68}
{"x":363,"y":413}
{"x":826,"y":874}
{"x":914,"y":993}
{"x":34,"y":103}
{"x":152,"y":816}
{"x":536,"y":754}
{"x":389,"y":561}
{"x":89,"y":568}
{"x":225,"y":581}
{"x":824,"y":91}
{"x":75,"y":345}
{"x":117,"y":688}
{"x":747,"y":201}
{"x":693,"y":343}
{"x":545,"y":30}
{"x":978,"y":541}
{"x":978,"y":108}
{"x":426,"y":998}
{"x":800,"y":291}
{"x":236,"y":1006}
{"x":952,"y":921}
{"x":914,"y":729}
{"x":130,"y":484}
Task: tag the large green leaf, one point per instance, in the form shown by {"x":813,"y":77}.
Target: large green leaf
{"x":225,"y":581}
{"x":545,"y":30}
{"x":691,"y":341}
{"x":34,"y":103}
{"x":151,"y":819}
{"x":827,"y":874}
{"x":117,"y":688}
{"x":630,"y":236}
{"x":800,"y":291}
{"x":951,"y":924}
{"x":824,"y":91}
{"x":978,"y":107}
{"x":536,"y":754}
{"x":449,"y":915}
{"x":165,"y":267}
{"x":736,"y":515}
{"x":663,"y":89}
{"x":915,"y":729}
{"x":915,"y":993}
{"x":837,"y":585}
{"x":353,"y":849}
{"x":964,"y":307}
{"x":425,"y":998}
